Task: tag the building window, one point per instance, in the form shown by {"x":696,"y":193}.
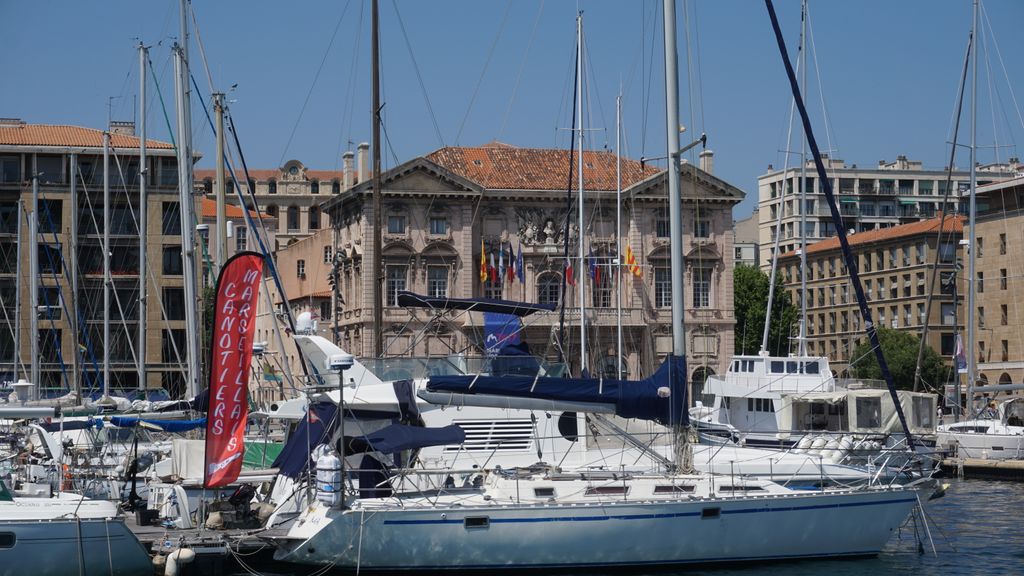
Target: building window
{"x":438,"y":226}
{"x":548,"y":288}
{"x":396,"y":278}
{"x":272,"y":210}
{"x":981,"y":316}
{"x":325,"y":310}
{"x":300,"y":268}
{"x":981,"y":247}
{"x":981,"y":282}
{"x":51,"y":217}
{"x":10,"y":169}
{"x":314,"y":218}
{"x":396,"y":224}
{"x":920,"y":314}
{"x":1002,"y":244}
{"x":947,"y":252}
{"x":437,"y":281}
{"x":293,"y":218}
{"x":241,"y":238}
{"x":172,"y":263}
{"x":661,"y":224}
{"x":701,"y":228}
{"x":1002,"y":278}
{"x":662,"y":286}
{"x":272,"y":187}
{"x":906,"y":286}
{"x":948,"y":345}
{"x":314,"y":187}
{"x":335,"y":187}
{"x":171,"y":225}
{"x":920,"y":283}
{"x":328,"y":254}
{"x":172,"y":346}
{"x":601,"y":294}
{"x":174,"y":303}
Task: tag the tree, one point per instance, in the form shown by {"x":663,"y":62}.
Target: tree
{"x":750,"y":301}
{"x":900,"y":348}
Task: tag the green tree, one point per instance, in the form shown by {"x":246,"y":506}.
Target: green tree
{"x":900,"y":348}
{"x":750,"y":301}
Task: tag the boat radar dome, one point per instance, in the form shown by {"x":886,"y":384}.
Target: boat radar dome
{"x":304,"y":323}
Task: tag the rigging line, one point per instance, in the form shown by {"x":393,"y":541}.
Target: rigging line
{"x":487,"y":62}
{"x":519,"y":74}
{"x":700,"y":75}
{"x":646,"y":86}
{"x":689,"y":72}
{"x":419,"y":76}
{"x":316,"y":78}
{"x":991,"y":96}
{"x":832,"y":147}
{"x":1002,"y":64}
{"x":568,"y":217}
{"x":163,"y":107}
{"x":347,"y":112}
{"x":590,"y":83}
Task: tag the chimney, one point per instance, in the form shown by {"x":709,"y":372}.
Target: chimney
{"x":346,"y":168}
{"x":122,"y":127}
{"x":362,"y":162}
{"x":707,"y":161}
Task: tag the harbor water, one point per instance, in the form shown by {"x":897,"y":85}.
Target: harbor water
{"x":976,"y":529}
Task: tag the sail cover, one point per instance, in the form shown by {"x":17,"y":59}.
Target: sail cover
{"x":234,"y":325}
{"x":410,"y":300}
{"x":660,"y":397}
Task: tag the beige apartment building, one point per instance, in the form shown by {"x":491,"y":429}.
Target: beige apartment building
{"x":999,"y":317}
{"x":895,"y":266}
{"x":870,"y":197}
{"x":442,"y":209}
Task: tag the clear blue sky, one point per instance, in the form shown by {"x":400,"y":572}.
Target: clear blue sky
{"x":889,"y":72}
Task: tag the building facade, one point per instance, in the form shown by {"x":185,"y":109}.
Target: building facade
{"x":887,"y":195}
{"x":443,"y":212}
{"x":745,"y":241}
{"x":896,"y":266}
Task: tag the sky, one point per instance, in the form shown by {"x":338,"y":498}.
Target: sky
{"x":468,"y":72}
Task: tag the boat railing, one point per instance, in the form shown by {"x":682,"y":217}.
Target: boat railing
{"x":860,"y":384}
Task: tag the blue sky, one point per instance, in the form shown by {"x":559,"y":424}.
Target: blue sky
{"x":503,"y":70}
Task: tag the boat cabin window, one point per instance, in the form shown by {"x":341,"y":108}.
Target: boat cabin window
{"x":547,"y":492}
{"x":673,"y":489}
{"x":970,"y":429}
{"x":777,"y":366}
{"x":740,"y":489}
{"x":607,"y":491}
{"x":7,"y":540}
{"x":792,"y":367}
{"x":924,"y":412}
{"x":477,"y":522}
{"x":760,"y":405}
{"x":869,"y":412}
{"x":811,"y":368}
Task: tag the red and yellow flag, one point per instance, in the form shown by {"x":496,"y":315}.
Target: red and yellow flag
{"x":631,"y":264}
{"x":483,"y":262}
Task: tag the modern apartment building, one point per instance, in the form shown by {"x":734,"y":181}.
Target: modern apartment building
{"x":886,"y":195}
{"x":895,"y":266}
{"x":445,"y":211}
{"x":745,"y":238}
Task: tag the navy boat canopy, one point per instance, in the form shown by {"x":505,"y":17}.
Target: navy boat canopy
{"x":660,"y":397}
{"x":399,"y":437}
{"x":410,"y":300}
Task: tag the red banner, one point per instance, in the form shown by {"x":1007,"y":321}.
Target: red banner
{"x":233,"y":330}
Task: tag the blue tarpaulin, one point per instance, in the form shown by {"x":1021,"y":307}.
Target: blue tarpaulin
{"x":411,"y":300}
{"x":315,"y":429}
{"x":399,"y":437}
{"x":500,"y":330}
{"x":632,"y":398}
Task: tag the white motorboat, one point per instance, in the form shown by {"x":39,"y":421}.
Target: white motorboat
{"x":998,"y":436}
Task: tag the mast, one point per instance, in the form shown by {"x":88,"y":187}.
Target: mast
{"x":221,"y":186}
{"x":618,"y":237}
{"x":378,"y":276}
{"x":33,"y":281}
{"x":683,"y":454}
{"x":802,"y":338}
{"x":76,"y":376}
{"x":143,"y":216}
{"x":579,"y":204}
{"x":106,"y":269}
{"x":186,"y":207}
{"x":972,"y":287}
{"x":17,"y":299}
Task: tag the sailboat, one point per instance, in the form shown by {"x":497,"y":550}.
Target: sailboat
{"x":545,"y":517}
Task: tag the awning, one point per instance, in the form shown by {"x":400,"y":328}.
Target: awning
{"x":907,"y":202}
{"x":848,"y":199}
{"x":411,"y":300}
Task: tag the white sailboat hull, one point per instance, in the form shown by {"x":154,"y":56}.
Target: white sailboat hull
{"x":379,"y":537}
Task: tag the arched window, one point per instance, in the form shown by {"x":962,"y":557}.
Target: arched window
{"x":293,"y":218}
{"x":1005,"y":379}
{"x":208,"y":185}
{"x":335,"y":187}
{"x":314,"y":218}
{"x":314,"y":187}
{"x":272,"y":187}
{"x":549,"y":287}
{"x":700,"y":377}
{"x":614,"y":367}
{"x":272,"y":211}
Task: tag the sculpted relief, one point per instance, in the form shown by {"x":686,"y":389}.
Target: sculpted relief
{"x":537,"y":226}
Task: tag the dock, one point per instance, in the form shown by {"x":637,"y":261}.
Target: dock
{"x":217,"y":551}
{"x":984,"y":469}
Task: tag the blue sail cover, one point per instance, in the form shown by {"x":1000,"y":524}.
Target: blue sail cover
{"x":399,"y":437}
{"x":165,"y":425}
{"x":631,"y":398}
{"x":410,"y":300}
{"x":315,"y":429}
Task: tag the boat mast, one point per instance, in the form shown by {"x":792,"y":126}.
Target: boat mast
{"x":106,"y":270}
{"x":972,"y":287}
{"x":579,"y":204}
{"x":221,"y":190}
{"x":683,"y":453}
{"x":186,"y":208}
{"x":143,"y":216}
{"x":18,"y":366}
{"x":378,"y":275}
{"x":802,"y":338}
{"x":618,"y":236}
{"x":77,"y":357}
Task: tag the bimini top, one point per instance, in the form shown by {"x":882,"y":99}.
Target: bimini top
{"x":410,"y":300}
{"x":660,"y":397}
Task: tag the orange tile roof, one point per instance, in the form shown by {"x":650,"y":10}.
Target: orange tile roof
{"x":71,"y":136}
{"x":498,"y":166}
{"x":209,"y":210}
{"x":954,"y":225}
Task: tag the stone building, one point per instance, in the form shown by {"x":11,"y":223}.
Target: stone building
{"x":440,"y":210}
{"x":895,"y":266}
{"x":745,"y":237}
{"x":886,"y":195}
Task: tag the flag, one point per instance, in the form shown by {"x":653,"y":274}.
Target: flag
{"x":483,"y":262}
{"x":568,"y":275}
{"x":501,"y":261}
{"x":493,"y":270}
{"x":511,"y":264}
{"x":238,"y":287}
{"x":595,"y":268}
{"x":959,"y":356}
{"x":631,"y":264}
{"x":520,"y":268}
